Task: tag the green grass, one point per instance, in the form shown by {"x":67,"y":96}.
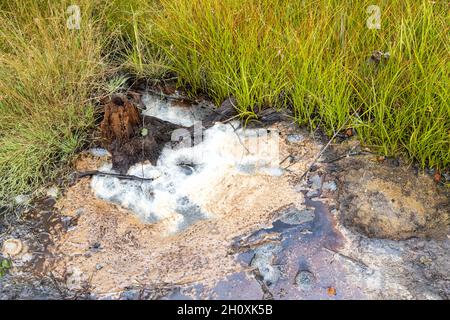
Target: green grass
{"x":47,"y":74}
{"x":311,"y":56}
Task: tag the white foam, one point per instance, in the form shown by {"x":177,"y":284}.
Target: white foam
{"x":185,"y":176}
{"x":169,"y":111}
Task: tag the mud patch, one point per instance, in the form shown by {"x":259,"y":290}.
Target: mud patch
{"x":393,"y":203}
{"x":36,"y":228}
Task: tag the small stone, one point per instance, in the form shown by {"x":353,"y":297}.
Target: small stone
{"x":187,"y":169}
{"x":49,"y":202}
{"x":98,"y":266}
{"x":27,"y":257}
{"x":52,"y":192}
{"x":425,"y":260}
{"x":246,"y":168}
{"x":99,"y":152}
{"x":331,"y":291}
{"x":66,"y":221}
{"x":274,"y":172}
{"x":12,"y":247}
{"x":446,"y":176}
{"x":305,"y":280}
{"x":316,"y":181}
{"x":295,"y":138}
{"x":96,"y":246}
{"x":22,"y":199}
{"x":263,"y":259}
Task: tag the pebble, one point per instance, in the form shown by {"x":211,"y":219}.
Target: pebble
{"x":295,"y":138}
{"x":22,"y":199}
{"x":316,"y":181}
{"x":425,"y":260}
{"x":12,"y":247}
{"x":446,"y":176}
{"x":66,"y":221}
{"x":27,"y":257}
{"x":52,"y":192}
{"x":263,"y":259}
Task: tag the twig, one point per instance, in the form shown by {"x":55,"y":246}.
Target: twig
{"x":288,"y":157}
{"x":115,"y":175}
{"x":239,"y":138}
{"x":349,"y":154}
{"x":321,"y":151}
{"x":316,"y":158}
{"x":355,"y":261}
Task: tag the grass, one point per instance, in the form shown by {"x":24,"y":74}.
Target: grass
{"x":311,"y":56}
{"x":47,"y":74}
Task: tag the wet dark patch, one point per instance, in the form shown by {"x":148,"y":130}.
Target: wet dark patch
{"x":291,"y":260}
{"x":37,"y":226}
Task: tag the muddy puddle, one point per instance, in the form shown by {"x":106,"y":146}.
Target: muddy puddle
{"x":223,"y":212}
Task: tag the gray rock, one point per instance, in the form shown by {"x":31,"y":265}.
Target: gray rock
{"x":264,"y":256}
{"x":130,"y":295}
{"x":52,"y":192}
{"x":295,"y":138}
{"x":66,"y":222}
{"x":316,"y":181}
{"x":295,"y":216}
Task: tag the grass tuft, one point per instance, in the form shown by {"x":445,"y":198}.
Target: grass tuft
{"x":47,"y":73}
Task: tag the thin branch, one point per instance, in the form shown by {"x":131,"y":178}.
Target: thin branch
{"x":109,"y":174}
